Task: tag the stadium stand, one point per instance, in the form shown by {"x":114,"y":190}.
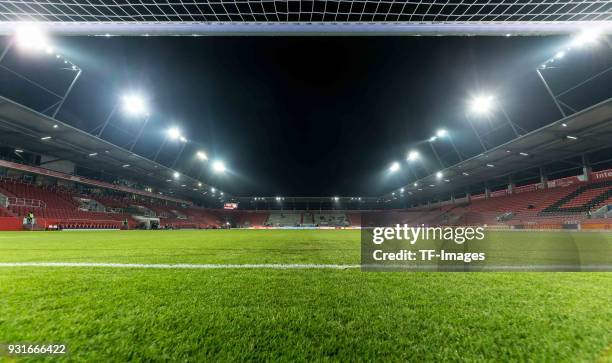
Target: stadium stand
{"x":59,"y":207}
{"x":585,"y":198}
{"x":337,"y":219}
{"x":143,"y":191}
{"x":284,"y":219}
{"x":248,"y":219}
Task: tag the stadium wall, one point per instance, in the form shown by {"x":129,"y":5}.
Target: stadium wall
{"x":10,"y":224}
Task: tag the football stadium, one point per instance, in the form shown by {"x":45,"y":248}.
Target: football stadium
{"x":306,"y":180}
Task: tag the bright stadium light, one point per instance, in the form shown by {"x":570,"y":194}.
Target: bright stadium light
{"x":413,"y":155}
{"x":199,"y":184}
{"x":441,"y":133}
{"x":481,"y":104}
{"x":586,"y":37}
{"x":134,"y":104}
{"x":201,"y":155}
{"x":336,"y":199}
{"x":433,"y":138}
{"x":176,"y":175}
{"x":439,"y":175}
{"x":174,"y":133}
{"x":213,"y":189}
{"x":32,"y":37}
{"x":182,"y":138}
{"x":560,"y":54}
{"x":218,"y":167}
{"x":395,"y":166}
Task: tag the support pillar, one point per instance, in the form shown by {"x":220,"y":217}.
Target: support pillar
{"x":543,"y":178}
{"x":586,"y":167}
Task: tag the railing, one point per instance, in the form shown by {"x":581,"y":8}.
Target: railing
{"x":26,"y":202}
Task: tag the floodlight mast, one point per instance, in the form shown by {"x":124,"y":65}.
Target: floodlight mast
{"x":133,"y":105}
{"x":30,"y":37}
{"x":443,"y":133}
{"x":74,"y":80}
{"x":430,"y":142}
{"x":588,"y":36}
{"x":141,"y":131}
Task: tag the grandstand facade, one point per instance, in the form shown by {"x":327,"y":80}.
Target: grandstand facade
{"x":55,"y":176}
{"x":40,"y":189}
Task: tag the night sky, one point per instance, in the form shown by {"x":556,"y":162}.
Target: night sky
{"x":306,"y":116}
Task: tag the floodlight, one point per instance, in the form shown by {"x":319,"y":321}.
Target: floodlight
{"x":415,"y":184}
{"x":433,"y":138}
{"x":183,"y":139}
{"x":587,"y":36}
{"x":413,"y":155}
{"x":560,"y":54}
{"x":441,"y":133}
{"x":134,"y":104}
{"x":218,"y":167}
{"x":395,"y":166}
{"x":401,"y":190}
{"x":201,"y":155}
{"x":481,"y":104}
{"x":174,"y":133}
{"x":213,"y":189}
{"x":336,"y":199}
{"x":439,"y":175}
{"x":31,"y":37}
{"x":199,"y":184}
{"x":176,"y":175}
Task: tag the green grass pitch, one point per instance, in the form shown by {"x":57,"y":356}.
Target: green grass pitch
{"x":135,"y":314}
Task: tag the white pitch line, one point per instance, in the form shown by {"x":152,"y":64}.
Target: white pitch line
{"x":179,"y":266}
{"x":297,"y":266}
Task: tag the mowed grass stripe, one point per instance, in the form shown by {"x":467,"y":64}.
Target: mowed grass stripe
{"x":177,"y":266}
{"x":273,"y":315}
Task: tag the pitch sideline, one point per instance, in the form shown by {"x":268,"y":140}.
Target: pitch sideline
{"x":179,"y":266}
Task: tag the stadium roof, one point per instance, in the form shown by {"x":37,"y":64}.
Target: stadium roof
{"x":24,"y":128}
{"x":350,"y":17}
{"x":583,"y":132}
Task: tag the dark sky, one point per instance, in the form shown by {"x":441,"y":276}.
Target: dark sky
{"x":307,"y":116}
